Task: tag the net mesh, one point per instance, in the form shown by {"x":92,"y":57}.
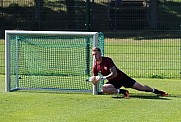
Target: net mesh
{"x":51,"y":62}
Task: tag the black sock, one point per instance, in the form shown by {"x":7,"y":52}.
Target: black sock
{"x":156,"y":91}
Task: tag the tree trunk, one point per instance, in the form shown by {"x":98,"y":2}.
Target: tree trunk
{"x":70,"y":4}
{"x":38,"y":5}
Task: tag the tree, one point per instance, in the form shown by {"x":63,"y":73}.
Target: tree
{"x":70,"y":5}
{"x":38,"y":5}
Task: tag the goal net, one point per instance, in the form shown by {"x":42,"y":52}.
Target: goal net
{"x":52,"y":60}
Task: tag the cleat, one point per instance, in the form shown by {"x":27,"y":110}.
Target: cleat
{"x":126,"y":94}
{"x":160,"y":93}
{"x":100,"y":93}
{"x":164,"y":94}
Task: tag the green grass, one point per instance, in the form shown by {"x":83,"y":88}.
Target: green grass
{"x":48,"y":106}
{"x":2,"y":62}
{"x":146,"y":57}
{"x":137,"y":57}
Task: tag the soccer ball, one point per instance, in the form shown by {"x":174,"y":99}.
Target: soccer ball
{"x":94,"y":79}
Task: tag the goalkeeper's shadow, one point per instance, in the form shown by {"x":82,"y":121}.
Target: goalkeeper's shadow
{"x":143,"y":97}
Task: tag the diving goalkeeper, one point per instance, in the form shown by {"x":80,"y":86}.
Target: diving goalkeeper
{"x":116,"y":78}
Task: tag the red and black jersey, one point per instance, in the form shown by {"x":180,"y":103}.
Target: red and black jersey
{"x":104,"y":68}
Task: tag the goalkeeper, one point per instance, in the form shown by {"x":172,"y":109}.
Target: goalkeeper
{"x":116,"y":78}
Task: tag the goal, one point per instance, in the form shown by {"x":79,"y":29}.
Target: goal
{"x":50,"y":60}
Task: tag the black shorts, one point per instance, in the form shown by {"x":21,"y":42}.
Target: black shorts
{"x":127,"y":82}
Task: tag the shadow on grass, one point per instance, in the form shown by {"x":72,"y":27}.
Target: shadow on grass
{"x":143,"y":96}
{"x":132,"y":96}
{"x":52,"y":92}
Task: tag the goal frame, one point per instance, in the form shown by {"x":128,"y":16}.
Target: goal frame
{"x":47,"y":33}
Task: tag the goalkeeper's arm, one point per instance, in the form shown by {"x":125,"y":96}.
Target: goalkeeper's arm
{"x":111,"y":75}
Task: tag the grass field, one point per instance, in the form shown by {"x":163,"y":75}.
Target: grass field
{"x":146,"y":57}
{"x":138,"y":56}
{"x":2,"y":58}
{"x":47,"y":106}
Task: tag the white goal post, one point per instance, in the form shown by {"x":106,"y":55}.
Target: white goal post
{"x":36,"y":55}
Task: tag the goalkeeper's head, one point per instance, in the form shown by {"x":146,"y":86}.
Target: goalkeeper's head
{"x":96,"y":49}
{"x":96,"y":53}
